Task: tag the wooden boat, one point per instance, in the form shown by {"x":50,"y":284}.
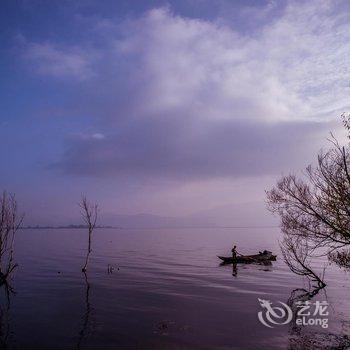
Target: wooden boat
{"x":262,"y":257}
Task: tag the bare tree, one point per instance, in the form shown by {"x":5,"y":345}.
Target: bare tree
{"x":89,"y":213}
{"x":317,"y":208}
{"x":10,"y":221}
{"x":341,"y":258}
{"x":297,"y":255}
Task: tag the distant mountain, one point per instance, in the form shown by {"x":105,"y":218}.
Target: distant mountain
{"x":246,"y":214}
{"x":152,"y":221}
{"x":238,"y":215}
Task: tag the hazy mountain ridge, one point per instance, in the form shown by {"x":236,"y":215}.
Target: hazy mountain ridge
{"x":237,"y":215}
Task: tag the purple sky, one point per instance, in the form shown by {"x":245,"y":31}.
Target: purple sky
{"x":170,"y":108}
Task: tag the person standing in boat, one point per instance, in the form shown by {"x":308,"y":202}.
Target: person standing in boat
{"x":234,"y":253}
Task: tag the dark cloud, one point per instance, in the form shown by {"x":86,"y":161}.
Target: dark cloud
{"x":184,"y":150}
{"x":186,"y":99}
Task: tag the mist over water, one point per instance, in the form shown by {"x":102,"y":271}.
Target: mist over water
{"x":169,"y":292}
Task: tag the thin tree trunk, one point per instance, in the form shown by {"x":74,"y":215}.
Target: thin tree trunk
{"x":89,"y":213}
{"x":88,"y":252}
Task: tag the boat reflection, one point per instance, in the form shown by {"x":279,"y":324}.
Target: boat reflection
{"x":263,"y":266}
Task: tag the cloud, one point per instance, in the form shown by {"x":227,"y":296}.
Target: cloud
{"x":294,"y":67}
{"x":153,"y":149}
{"x":98,"y":136}
{"x":71,"y":63}
{"x":186,"y":98}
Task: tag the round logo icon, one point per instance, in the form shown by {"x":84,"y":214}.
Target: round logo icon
{"x":274,"y":315}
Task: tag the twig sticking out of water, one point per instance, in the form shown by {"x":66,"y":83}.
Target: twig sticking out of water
{"x":89,"y":213}
{"x":110,"y":269}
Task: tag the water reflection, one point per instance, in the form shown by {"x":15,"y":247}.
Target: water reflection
{"x":234,"y":270}
{"x":302,"y":336}
{"x":297,"y":296}
{"x":86,"y":318}
{"x":165,"y":275}
{"x":262,"y":266}
{"x":5,"y":307}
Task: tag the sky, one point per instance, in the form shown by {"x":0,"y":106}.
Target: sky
{"x":172,"y":108}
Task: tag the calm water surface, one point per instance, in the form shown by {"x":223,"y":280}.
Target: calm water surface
{"x":169,"y":291}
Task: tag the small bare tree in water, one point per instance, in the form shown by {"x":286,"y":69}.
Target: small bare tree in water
{"x":10,"y":221}
{"x":315,"y":211}
{"x":89,"y":213}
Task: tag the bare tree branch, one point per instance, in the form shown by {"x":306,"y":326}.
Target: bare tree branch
{"x":296,"y":253}
{"x":89,"y":213}
{"x":10,"y":222}
{"x":315,"y":210}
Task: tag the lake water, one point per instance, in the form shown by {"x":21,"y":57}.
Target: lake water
{"x":169,"y":292}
